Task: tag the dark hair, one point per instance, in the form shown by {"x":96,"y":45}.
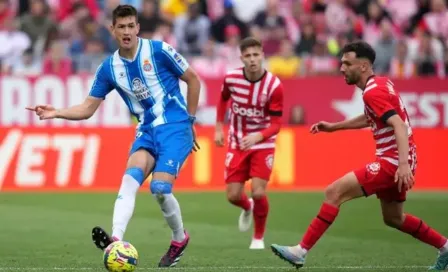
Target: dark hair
{"x":249,"y":42}
{"x":361,"y":49}
{"x":123,"y":11}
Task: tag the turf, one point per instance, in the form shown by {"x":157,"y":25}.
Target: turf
{"x":49,"y":232}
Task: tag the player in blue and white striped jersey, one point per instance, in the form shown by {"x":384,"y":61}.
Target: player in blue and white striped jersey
{"x":146,"y":74}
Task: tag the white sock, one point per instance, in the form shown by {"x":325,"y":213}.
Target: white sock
{"x":124,"y":206}
{"x":298,"y":250}
{"x":171,"y":211}
{"x":444,"y":249}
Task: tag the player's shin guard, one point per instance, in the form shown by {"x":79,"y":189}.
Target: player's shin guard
{"x":243,"y":202}
{"x":162,"y":191}
{"x":319,"y":225}
{"x":125,"y":202}
{"x":421,"y":231}
{"x":261,"y":210}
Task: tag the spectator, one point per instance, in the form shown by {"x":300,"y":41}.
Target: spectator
{"x":228,"y":19}
{"x":164,"y":33}
{"x":191,"y":31}
{"x":28,"y":65}
{"x":149,"y":17}
{"x":321,"y":62}
{"x":401,"y":66}
{"x":384,"y":48}
{"x":269,"y":25}
{"x":436,"y":21}
{"x":93,"y":55}
{"x":230,"y":49}
{"x":307,"y":41}
{"x":372,"y":26}
{"x":427,"y":62}
{"x":210,"y":64}
{"x":38,"y":26}
{"x":446,"y":61}
{"x":339,"y":18}
{"x":286,"y":64}
{"x":6,"y":12}
{"x":14,"y":43}
{"x":56,"y":61}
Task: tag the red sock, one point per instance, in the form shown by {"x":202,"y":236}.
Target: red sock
{"x":319,"y":225}
{"x":417,"y":228}
{"x":243,"y":202}
{"x":261,"y":209}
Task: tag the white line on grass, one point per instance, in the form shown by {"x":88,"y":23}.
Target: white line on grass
{"x":214,"y":268}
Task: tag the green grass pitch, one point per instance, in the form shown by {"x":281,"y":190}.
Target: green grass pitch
{"x":51,"y":232}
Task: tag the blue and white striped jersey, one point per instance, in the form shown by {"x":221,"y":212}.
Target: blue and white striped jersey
{"x":148,"y":84}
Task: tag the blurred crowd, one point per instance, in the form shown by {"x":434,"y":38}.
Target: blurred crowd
{"x":300,"y":37}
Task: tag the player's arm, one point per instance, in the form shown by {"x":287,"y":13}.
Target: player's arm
{"x":100,"y":88}
{"x":221,"y":114}
{"x":193,"y":90}
{"x":177,"y":64}
{"x":275,"y":111}
{"x":355,"y":123}
{"x":401,"y":134}
{"x":82,"y":111}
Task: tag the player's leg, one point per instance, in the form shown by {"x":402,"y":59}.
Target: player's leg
{"x":236,"y":174}
{"x":340,"y":191}
{"x":260,"y":212}
{"x":139,"y":165}
{"x":392,"y":207}
{"x":261,"y":163}
{"x":175,"y":143}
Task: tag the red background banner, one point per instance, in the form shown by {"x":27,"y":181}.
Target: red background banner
{"x":323,"y":98}
{"x":94,"y":159}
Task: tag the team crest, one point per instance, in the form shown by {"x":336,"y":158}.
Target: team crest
{"x":270,"y":161}
{"x":373,"y":168}
{"x":147,"y":66}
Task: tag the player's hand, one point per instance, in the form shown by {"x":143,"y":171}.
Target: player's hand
{"x":219,"y":137}
{"x":44,"y":111}
{"x":404,"y":177}
{"x":251,"y":140}
{"x":322,"y":126}
{"x":196,"y":146}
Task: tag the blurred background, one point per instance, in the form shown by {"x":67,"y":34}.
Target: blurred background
{"x":50,"y":50}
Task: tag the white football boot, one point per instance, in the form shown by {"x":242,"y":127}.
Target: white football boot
{"x":257,"y":244}
{"x":245,"y":220}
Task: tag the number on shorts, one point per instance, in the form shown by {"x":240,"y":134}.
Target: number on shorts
{"x":138,"y":134}
{"x":229,"y":157}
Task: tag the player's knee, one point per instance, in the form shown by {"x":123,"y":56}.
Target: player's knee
{"x":394,"y":221}
{"x":233,"y":197}
{"x":161,"y":187}
{"x":333,"y":195}
{"x":258,"y":193}
{"x":136,"y":173}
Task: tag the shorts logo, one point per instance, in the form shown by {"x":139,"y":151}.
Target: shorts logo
{"x":374,"y":168}
{"x":270,"y":161}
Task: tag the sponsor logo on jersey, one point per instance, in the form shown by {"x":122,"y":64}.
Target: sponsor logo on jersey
{"x":248,"y":112}
{"x":139,"y":89}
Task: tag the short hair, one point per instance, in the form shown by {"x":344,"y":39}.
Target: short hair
{"x":250,"y":42}
{"x":361,"y":49}
{"x":122,"y":11}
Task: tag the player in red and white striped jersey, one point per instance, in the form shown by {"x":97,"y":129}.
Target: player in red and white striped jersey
{"x":389,"y":177}
{"x":256,"y":105}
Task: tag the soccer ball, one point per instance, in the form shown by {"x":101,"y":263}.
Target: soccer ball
{"x":120,"y":256}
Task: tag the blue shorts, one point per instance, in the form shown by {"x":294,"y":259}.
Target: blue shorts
{"x":169,"y":144}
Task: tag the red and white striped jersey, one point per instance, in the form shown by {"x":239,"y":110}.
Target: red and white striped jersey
{"x":251,"y":106}
{"x":381,"y":102}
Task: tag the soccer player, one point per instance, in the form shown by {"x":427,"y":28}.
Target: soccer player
{"x":389,"y":177}
{"x":146,"y":74}
{"x":256,"y":104}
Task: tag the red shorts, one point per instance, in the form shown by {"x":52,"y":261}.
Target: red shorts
{"x":243,"y":165}
{"x":379,"y":178}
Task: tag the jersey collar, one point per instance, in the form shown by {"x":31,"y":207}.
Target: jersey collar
{"x":136,"y":52}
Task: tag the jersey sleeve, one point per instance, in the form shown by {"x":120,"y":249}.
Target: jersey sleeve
{"x":276,"y":101}
{"x":175,"y":62}
{"x":379,"y":103}
{"x":101,"y":85}
{"x":222,"y":104}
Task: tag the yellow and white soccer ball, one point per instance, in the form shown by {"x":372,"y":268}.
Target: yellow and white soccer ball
{"x":120,"y":256}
